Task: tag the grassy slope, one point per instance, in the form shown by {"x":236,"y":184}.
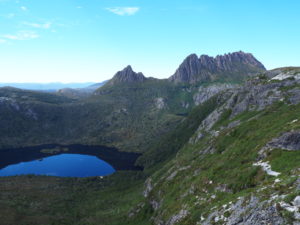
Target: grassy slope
{"x":231,"y":165}
{"x":49,"y":200}
{"x":167,"y":146}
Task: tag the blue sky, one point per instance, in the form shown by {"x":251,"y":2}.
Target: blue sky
{"x":89,"y":40}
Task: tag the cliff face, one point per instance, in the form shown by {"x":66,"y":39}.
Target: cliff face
{"x":206,"y":68}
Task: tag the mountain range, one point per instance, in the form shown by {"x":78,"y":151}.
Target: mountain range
{"x":47,"y":86}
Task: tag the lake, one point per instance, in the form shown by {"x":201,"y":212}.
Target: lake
{"x":65,"y":161}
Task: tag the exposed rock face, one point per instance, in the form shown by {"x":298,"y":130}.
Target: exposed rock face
{"x":206,"y":68}
{"x":298,"y":184}
{"x":127,"y":75}
{"x":178,"y":217}
{"x":255,"y":95}
{"x":160,"y":103}
{"x":205,"y":93}
{"x":288,"y":141}
{"x":190,"y":67}
{"x":251,"y":212}
{"x":297,"y":201}
{"x":284,"y":73}
{"x":136,"y":210}
{"x":148,"y":187}
{"x":173,"y":174}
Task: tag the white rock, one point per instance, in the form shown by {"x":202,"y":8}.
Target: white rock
{"x":296,"y":202}
{"x":267,"y":168}
{"x":281,"y":77}
{"x":288,"y":207}
{"x":294,"y":121}
{"x":274,"y":197}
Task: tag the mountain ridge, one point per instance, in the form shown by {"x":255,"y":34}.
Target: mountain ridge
{"x":205,"y":68}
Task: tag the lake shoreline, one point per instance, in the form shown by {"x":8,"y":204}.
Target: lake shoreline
{"x":118,"y":160}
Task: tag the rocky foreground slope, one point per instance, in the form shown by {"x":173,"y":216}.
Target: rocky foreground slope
{"x":240,"y":166}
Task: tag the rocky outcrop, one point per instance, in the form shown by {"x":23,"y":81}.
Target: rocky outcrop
{"x":293,"y":208}
{"x":178,"y":217}
{"x":288,"y":141}
{"x":127,"y":75}
{"x":148,"y":187}
{"x":255,"y":95}
{"x":280,"y":74}
{"x":174,"y":173}
{"x":246,"y":212}
{"x":160,"y":103}
{"x":205,"y":93}
{"x":206,"y":68}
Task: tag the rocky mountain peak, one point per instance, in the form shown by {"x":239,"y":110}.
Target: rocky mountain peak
{"x":206,"y":68}
{"x":190,"y":66}
{"x":227,"y":60}
{"x":127,"y":75}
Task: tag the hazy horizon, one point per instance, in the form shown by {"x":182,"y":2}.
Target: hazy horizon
{"x":80,"y":41}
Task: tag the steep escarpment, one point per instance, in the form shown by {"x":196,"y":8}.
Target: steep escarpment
{"x":223,"y":67}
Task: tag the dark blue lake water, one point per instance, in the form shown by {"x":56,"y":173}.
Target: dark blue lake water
{"x":65,"y":161}
{"x":63,"y":165}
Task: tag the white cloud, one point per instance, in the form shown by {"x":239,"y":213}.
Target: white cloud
{"x":39,"y":25}
{"x":124,"y":11}
{"x":23,"y":8}
{"x":2,"y":41}
{"x":22,"y":35}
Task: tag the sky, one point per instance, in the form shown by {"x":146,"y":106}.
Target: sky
{"x":90,"y":40}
